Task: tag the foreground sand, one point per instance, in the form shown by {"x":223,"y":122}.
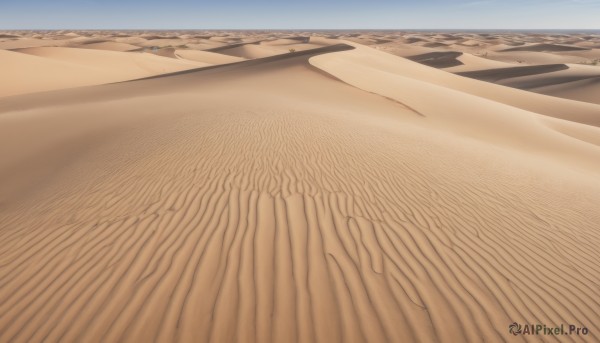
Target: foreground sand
{"x":336,"y":193}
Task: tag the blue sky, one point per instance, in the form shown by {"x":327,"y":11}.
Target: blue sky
{"x":307,"y":14}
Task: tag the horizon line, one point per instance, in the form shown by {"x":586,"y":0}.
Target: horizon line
{"x":298,"y":29}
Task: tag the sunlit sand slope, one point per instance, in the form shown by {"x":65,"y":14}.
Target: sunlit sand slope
{"x":33,"y":70}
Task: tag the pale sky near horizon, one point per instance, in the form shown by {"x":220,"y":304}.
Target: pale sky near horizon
{"x":307,"y":14}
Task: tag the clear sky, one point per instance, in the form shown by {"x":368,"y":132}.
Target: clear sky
{"x":307,"y":14}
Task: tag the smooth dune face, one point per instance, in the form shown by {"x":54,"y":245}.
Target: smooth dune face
{"x":33,"y":70}
{"x":332,"y":194}
{"x":130,"y":65}
{"x":582,"y":89}
{"x":111,"y":46}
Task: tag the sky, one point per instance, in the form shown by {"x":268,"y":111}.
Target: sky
{"x":307,"y":14}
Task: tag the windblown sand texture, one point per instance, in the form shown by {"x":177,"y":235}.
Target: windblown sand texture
{"x":297,"y":186}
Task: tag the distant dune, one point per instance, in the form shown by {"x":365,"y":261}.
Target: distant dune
{"x":112,"y":46}
{"x":582,"y":89}
{"x":546,"y":47}
{"x":249,"y":51}
{"x":438,"y":59}
{"x":498,"y":74}
{"x":207,"y":57}
{"x":284,"y":190}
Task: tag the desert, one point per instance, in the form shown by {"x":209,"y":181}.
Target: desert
{"x":298,"y":186}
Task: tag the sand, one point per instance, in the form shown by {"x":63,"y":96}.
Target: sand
{"x":113,"y":46}
{"x":48,"y":68}
{"x":338,"y":193}
{"x":207,"y":57}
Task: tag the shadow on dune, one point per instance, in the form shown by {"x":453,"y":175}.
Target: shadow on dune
{"x":442,"y":59}
{"x":115,"y":90}
{"x":497,"y":74}
{"x":546,"y":47}
{"x":305,"y":54}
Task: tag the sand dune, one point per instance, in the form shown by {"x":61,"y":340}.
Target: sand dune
{"x":438,"y":59}
{"x":287,"y":41}
{"x":163,"y":42}
{"x":546,"y":47}
{"x":576,"y":82}
{"x":555,"y":107}
{"x":472,"y":62}
{"x":207,"y":57}
{"x":260,"y":49}
{"x":583,"y":89}
{"x":532,"y":57}
{"x":164,"y":52}
{"x":76,"y":40}
{"x":112,"y":46}
{"x":129,"y":64}
{"x":339,"y":194}
{"x":22,"y":73}
{"x":401,"y":86}
{"x":249,"y":51}
{"x":497,"y":74}
{"x":28,"y":43}
{"x":434,"y":45}
{"x":49,"y":68}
